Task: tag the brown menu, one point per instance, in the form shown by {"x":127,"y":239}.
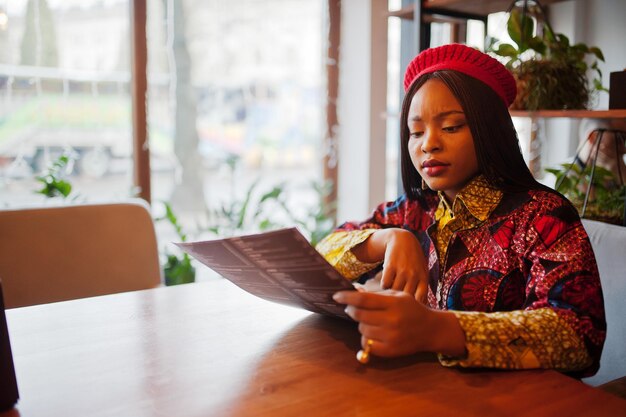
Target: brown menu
{"x":279,"y":266}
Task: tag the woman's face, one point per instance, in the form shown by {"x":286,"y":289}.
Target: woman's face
{"x":440,"y":142}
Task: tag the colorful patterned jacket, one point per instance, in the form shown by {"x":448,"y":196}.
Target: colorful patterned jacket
{"x":520,"y":276}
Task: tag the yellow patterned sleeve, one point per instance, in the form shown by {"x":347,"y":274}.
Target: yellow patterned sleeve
{"x":336,"y":249}
{"x":521,"y":339}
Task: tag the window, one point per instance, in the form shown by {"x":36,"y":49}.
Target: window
{"x":64,"y":89}
{"x":236,"y":105}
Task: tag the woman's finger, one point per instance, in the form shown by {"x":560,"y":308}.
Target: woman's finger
{"x":372,"y":331}
{"x":377,"y":347}
{"x":369,"y":317}
{"x":388,"y":277}
{"x":363,"y":300}
{"x":421,"y":293}
{"x":399,"y":282}
{"x":411,"y":285}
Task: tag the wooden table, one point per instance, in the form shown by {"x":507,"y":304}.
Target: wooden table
{"x":209,"y":349}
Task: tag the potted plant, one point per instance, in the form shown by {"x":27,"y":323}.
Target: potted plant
{"x":551,"y":73}
{"x":594,"y":191}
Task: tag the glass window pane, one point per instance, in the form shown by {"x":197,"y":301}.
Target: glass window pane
{"x":235,"y":110}
{"x":64,"y":90}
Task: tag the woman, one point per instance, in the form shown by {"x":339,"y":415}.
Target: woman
{"x":481,"y":263}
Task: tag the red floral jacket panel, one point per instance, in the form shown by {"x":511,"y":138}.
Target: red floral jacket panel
{"x":531,"y":254}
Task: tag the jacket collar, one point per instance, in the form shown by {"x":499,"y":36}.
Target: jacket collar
{"x":478,"y":198}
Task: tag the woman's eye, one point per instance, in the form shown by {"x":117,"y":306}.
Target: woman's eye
{"x":454,"y":128}
{"x":416,"y":134}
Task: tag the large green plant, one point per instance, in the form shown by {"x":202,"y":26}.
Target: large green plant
{"x":255,"y":212}
{"x":269,"y":210}
{"x":551,"y":72}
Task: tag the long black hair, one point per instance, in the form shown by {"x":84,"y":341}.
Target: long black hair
{"x":496,"y":144}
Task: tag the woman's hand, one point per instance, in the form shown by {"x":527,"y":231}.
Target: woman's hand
{"x":400,"y":325}
{"x":404,"y":264}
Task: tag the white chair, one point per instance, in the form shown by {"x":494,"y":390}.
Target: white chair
{"x":53,"y":254}
{"x":609,"y":246}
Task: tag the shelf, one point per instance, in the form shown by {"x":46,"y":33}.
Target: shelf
{"x":574,"y":114}
{"x":478,"y":7}
{"x":474,"y":7}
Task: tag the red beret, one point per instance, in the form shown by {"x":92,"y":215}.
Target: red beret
{"x":467,"y":60}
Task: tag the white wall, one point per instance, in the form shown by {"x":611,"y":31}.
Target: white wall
{"x":606,"y":28}
{"x":361,"y":107}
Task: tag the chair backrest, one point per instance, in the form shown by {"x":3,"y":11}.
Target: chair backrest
{"x":60,"y":253}
{"x":609,"y":246}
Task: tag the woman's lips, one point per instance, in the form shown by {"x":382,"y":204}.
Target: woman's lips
{"x":434,"y":168}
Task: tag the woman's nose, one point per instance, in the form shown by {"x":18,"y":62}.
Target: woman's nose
{"x":430,"y":142}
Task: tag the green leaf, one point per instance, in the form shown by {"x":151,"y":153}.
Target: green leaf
{"x":513,"y":26}
{"x":597,"y":84}
{"x":171,"y":217}
{"x":597,"y":52}
{"x":490,"y":41}
{"x":581,"y":48}
{"x":520,"y":28}
{"x":214,"y":229}
{"x":179,"y":271}
{"x":265,"y":224}
{"x":554,"y":171}
{"x":241,"y":217}
{"x":537,"y":44}
{"x":548,"y":34}
{"x":574,"y":168}
{"x":506,"y":49}
{"x":563,"y":40}
{"x":273,"y":194}
{"x":64,"y":187}
{"x":581,"y":66}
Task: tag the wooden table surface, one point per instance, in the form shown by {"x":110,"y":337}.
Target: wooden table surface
{"x":209,"y":349}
